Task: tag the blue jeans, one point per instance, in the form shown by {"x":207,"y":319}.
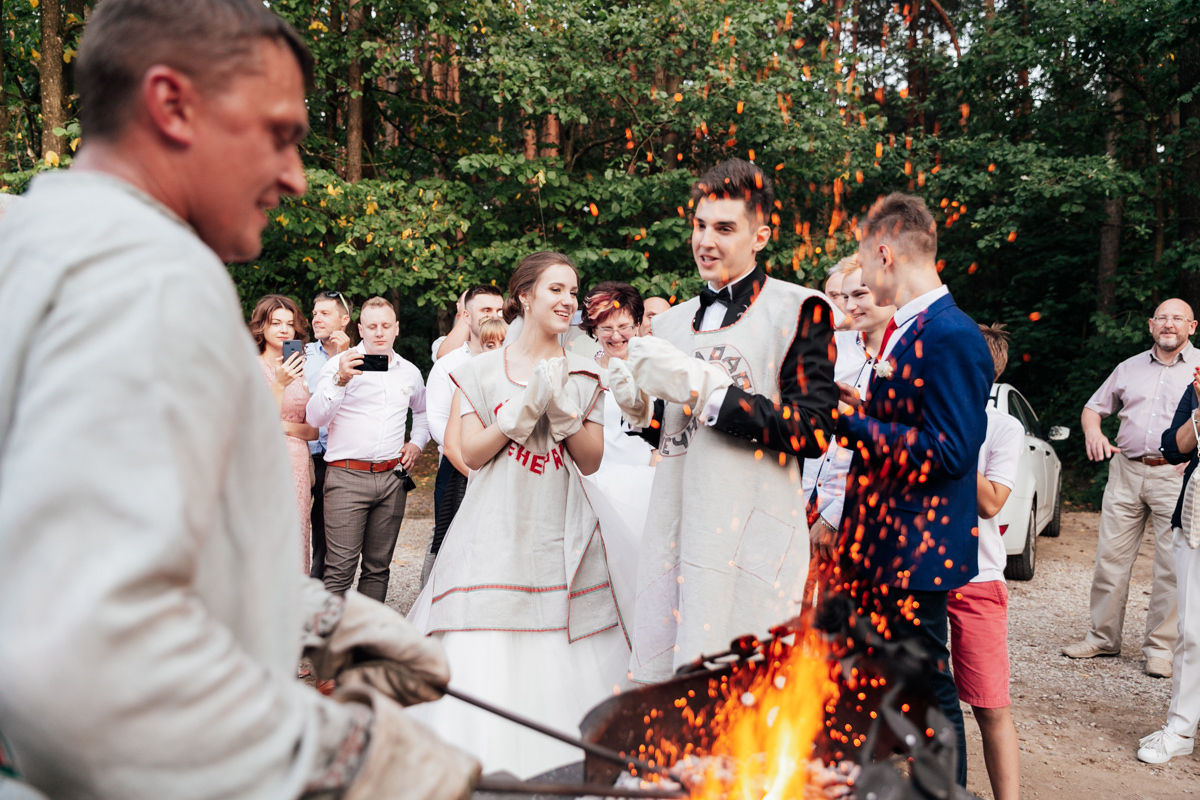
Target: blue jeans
{"x":934,"y":631}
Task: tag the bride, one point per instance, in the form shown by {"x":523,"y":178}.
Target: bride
{"x":520,"y":594}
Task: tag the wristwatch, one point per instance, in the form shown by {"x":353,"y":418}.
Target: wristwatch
{"x":337,"y":379}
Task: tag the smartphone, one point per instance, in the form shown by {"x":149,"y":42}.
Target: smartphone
{"x":372,"y":363}
{"x":292,"y":346}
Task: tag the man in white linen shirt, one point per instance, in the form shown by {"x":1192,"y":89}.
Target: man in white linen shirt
{"x":152,"y":610}
{"x":367,"y":459}
{"x":480,"y":303}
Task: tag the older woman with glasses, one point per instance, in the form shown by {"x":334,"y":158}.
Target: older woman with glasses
{"x":620,"y":490}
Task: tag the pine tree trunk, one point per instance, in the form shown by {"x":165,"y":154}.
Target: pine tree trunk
{"x":354,"y":103}
{"x":50,"y":74}
{"x":331,"y":89}
{"x":1188,"y":187}
{"x":1114,"y":212}
{"x":5,"y":119}
{"x":550,"y":137}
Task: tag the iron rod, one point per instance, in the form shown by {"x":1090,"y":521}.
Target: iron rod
{"x":506,"y":786}
{"x":586,"y":746}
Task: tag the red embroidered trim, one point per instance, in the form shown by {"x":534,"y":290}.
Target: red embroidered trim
{"x":589,"y":590}
{"x":498,"y":630}
{"x":502,"y":587}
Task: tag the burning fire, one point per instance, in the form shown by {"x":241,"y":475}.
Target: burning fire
{"x":764,"y":736}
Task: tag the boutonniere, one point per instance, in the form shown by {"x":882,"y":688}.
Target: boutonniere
{"x":883,"y":369}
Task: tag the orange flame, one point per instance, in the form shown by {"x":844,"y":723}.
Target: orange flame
{"x":768,"y":731}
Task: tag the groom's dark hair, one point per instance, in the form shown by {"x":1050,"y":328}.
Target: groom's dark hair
{"x":738,"y":180}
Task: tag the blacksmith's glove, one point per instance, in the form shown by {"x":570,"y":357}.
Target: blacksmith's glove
{"x":404,"y":759}
{"x":520,"y":413}
{"x":665,"y":372}
{"x":374,"y":646}
{"x":636,"y":406}
{"x":567,"y":413}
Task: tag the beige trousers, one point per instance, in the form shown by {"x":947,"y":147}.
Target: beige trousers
{"x":1134,"y":493}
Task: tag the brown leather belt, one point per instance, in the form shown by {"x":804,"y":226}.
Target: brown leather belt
{"x":1151,"y":461}
{"x":366,"y":466}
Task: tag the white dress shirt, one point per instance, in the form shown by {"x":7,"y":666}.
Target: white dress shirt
{"x":827,"y":475}
{"x":714,"y":317}
{"x":439,"y":391}
{"x":910,"y":311}
{"x":366,"y":417}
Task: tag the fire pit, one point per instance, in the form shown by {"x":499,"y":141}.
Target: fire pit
{"x":835,"y":689}
{"x":826,"y":707}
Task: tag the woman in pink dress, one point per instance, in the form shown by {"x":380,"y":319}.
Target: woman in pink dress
{"x":275,"y":320}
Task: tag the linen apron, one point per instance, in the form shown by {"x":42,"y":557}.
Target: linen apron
{"x":524,"y":552}
{"x":726,"y":544}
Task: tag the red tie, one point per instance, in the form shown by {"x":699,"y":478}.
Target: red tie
{"x":887,"y":334}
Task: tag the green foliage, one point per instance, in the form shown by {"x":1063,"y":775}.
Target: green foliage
{"x":492,"y":129}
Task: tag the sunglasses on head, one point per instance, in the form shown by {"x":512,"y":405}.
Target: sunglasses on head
{"x":337,"y":296}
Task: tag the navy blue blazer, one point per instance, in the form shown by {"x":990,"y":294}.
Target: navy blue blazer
{"x":911,"y":516}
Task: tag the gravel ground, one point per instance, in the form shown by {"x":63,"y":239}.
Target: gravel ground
{"x":1078,"y":721}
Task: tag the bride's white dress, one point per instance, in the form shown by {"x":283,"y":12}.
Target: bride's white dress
{"x":620,"y":495}
{"x":497,"y":599}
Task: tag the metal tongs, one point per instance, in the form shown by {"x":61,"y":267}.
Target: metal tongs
{"x":504,"y":785}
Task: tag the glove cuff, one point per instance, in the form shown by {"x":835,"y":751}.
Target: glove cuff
{"x":404,"y":759}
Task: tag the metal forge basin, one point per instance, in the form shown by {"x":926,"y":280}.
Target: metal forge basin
{"x":672,"y":719}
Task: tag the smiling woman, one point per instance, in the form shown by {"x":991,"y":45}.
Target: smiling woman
{"x":520,"y":595}
{"x":277,"y":319}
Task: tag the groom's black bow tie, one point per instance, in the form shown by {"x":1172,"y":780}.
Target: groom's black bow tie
{"x":708,"y":297}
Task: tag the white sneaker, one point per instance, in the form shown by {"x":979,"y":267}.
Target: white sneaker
{"x":1161,"y":746}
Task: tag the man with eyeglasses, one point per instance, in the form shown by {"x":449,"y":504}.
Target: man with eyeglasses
{"x":1143,"y":391}
{"x":330,"y":319}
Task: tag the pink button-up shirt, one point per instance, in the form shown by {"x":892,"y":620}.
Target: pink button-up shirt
{"x":1146,"y":391}
{"x":366,"y":417}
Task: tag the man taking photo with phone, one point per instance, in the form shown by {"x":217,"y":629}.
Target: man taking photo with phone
{"x":363,"y":397}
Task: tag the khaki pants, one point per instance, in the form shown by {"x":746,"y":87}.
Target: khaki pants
{"x":363,"y":512}
{"x":1134,"y":493}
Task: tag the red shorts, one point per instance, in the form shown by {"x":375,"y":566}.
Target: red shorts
{"x":979,"y":643}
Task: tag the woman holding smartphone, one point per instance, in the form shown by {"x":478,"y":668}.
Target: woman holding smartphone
{"x":275,"y":321}
{"x":520,"y":595}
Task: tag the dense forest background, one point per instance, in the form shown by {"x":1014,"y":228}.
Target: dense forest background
{"x":1058,"y":142}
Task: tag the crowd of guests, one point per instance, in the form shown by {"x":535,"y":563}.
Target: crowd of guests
{"x":625,"y":485}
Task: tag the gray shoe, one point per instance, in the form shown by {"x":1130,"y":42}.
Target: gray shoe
{"x":1158,"y":667}
{"x":1086,"y":650}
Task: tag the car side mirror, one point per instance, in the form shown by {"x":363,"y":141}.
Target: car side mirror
{"x":1059,"y":432}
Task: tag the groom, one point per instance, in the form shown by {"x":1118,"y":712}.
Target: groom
{"x":909,"y":531}
{"x":743,"y":376}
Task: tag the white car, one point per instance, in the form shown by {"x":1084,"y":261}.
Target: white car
{"x":1035,"y":506}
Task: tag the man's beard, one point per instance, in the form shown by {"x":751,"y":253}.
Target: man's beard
{"x":1170,"y":341}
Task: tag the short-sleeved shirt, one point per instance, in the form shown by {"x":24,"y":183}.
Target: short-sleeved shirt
{"x":1143,"y":391}
{"x":998,"y":461}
